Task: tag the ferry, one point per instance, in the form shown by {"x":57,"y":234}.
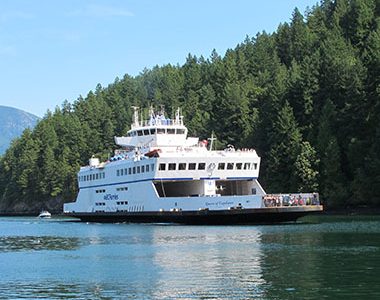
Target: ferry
{"x":161,"y":175}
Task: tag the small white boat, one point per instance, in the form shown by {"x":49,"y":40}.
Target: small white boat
{"x":44,"y":214}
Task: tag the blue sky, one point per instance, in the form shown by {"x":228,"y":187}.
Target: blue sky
{"x":56,"y":50}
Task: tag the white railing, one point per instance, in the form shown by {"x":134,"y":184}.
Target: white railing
{"x":157,"y":122}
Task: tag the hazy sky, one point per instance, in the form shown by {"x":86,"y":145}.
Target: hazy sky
{"x":56,"y":50}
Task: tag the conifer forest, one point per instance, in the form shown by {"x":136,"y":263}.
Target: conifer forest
{"x":306,"y":97}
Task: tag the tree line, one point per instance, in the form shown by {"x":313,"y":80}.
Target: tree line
{"x":306,"y":97}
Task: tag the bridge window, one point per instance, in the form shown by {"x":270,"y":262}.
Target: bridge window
{"x":142,"y":169}
{"x":138,"y":169}
{"x":134,"y":170}
{"x":147,"y":168}
{"x":160,"y":130}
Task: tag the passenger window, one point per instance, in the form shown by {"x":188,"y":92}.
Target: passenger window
{"x":201,"y":166}
{"x":230,"y":166}
{"x":221,"y":166}
{"x":147,"y":168}
{"x":172,"y":167}
{"x":142,"y":169}
{"x":160,"y":130}
{"x":139,"y":132}
{"x":255,"y":166}
{"x":192,"y":166}
{"x":153,"y":131}
{"x":180,"y":131}
{"x":162,"y":167}
{"x":239,"y":166}
{"x":146,"y":131}
{"x":138,"y":169}
{"x":171,"y":131}
{"x":247,"y":166}
{"x":182,"y":166}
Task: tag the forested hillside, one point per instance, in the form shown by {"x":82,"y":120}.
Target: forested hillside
{"x":306,"y":97}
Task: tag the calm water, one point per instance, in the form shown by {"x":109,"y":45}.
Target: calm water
{"x":335,"y":258}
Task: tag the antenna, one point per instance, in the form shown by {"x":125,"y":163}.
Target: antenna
{"x":177,"y":116}
{"x":135,"y":115}
{"x":212,"y":139}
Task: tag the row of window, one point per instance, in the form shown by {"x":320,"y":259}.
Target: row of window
{"x":202,"y":166}
{"x":125,"y":188}
{"x":122,"y":203}
{"x":181,"y":166}
{"x":237,"y":166}
{"x":100,"y":191}
{"x":135,"y":170}
{"x":153,"y":131}
{"x":91,"y":177}
{"x":100,"y":203}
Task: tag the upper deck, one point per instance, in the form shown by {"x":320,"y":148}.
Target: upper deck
{"x":158,"y":131}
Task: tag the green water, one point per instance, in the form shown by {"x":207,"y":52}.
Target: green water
{"x":320,"y":258}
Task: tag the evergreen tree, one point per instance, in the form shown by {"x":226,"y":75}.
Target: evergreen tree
{"x":306,"y":166}
{"x":282,"y":174}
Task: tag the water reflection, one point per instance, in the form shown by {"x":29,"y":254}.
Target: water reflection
{"x":26,"y":243}
{"x":321,"y":261}
{"x":219,"y":263}
{"x":56,"y":290}
{"x":126,"y":261}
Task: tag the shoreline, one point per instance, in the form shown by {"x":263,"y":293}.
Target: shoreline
{"x":328,"y":212}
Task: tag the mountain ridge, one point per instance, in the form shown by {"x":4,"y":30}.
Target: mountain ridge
{"x":13,"y":122}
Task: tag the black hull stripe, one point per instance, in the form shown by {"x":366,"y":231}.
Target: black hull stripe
{"x":204,"y":217}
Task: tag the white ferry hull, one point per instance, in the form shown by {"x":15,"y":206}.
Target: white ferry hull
{"x":268,"y":215}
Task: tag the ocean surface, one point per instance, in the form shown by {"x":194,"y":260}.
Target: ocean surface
{"x":320,"y":258}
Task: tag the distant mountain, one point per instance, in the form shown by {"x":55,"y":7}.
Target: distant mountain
{"x":13,"y":121}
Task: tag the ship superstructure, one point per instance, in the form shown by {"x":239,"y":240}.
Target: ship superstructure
{"x":162,"y":175}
